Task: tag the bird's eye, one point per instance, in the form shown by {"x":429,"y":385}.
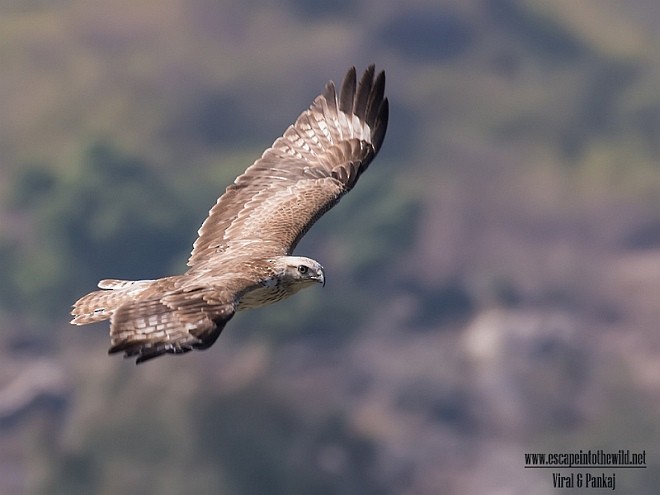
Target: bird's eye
{"x":302,"y":269}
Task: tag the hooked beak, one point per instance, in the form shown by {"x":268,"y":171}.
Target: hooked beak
{"x":321,"y":277}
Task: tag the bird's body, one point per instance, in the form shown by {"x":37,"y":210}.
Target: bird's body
{"x":243,"y":256}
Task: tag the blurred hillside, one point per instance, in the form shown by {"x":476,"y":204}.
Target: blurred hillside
{"x":493,"y":281}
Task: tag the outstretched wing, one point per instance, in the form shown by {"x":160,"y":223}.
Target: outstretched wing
{"x":171,"y":319}
{"x":306,"y":171}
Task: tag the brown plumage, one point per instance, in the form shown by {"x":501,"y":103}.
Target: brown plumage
{"x":243,"y":256}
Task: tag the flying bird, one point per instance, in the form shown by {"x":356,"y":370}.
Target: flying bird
{"x":243,"y":257}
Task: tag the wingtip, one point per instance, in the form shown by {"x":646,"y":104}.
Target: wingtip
{"x":130,"y":351}
{"x":378,"y":134}
{"x":348,"y":91}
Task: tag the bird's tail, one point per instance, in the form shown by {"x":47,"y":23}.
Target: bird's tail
{"x":101,"y":304}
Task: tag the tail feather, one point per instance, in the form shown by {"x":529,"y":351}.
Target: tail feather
{"x":149,"y":318}
{"x":101,"y":304}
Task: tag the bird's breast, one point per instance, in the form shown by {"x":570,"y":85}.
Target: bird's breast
{"x":263,"y":295}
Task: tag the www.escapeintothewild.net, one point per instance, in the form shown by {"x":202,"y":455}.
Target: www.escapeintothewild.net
{"x":589,"y":458}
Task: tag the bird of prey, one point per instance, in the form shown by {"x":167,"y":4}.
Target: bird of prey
{"x":243,"y":257}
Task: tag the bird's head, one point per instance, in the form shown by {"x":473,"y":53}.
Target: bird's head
{"x":301,"y":271}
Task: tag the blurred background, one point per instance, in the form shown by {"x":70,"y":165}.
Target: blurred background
{"x":493,"y":280}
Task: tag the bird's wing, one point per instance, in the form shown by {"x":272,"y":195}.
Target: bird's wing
{"x":175,"y":322}
{"x":305,"y":172}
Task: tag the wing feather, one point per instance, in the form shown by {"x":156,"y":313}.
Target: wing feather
{"x":303,"y":174}
{"x":347,"y":94}
{"x":174,"y":323}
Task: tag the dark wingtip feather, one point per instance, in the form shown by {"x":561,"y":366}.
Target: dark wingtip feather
{"x":147,"y":356}
{"x":378,"y":134}
{"x":347,"y":93}
{"x":375,"y":99}
{"x":119,"y":347}
{"x":143,"y":352}
{"x":330,"y":93}
{"x":363,"y":91}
